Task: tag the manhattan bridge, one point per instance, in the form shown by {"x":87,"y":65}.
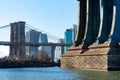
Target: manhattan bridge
{"x":19,"y":35}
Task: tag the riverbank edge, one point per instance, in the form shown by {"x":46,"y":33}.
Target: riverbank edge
{"x":26,"y":64}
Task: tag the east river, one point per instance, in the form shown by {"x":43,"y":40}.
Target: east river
{"x":56,"y":73}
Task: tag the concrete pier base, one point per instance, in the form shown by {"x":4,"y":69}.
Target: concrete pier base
{"x":99,"y":56}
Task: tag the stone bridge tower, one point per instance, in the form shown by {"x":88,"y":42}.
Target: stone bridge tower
{"x":17,"y":37}
{"x":97,"y":40}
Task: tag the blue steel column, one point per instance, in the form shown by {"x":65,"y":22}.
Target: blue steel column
{"x":116,"y":32}
{"x":93,"y":22}
{"x":107,"y":20}
{"x":82,"y":22}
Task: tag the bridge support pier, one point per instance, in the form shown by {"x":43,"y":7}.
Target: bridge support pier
{"x":17,"y":37}
{"x":103,"y":54}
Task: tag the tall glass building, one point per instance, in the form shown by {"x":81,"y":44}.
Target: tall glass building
{"x":32,"y":36}
{"x":44,"y":39}
{"x":68,"y":37}
{"x":74,"y":32}
{"x":59,"y":50}
{"x":49,"y":49}
{"x":53,"y":52}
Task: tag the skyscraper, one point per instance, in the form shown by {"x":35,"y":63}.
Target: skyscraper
{"x":32,"y":36}
{"x":52,"y":52}
{"x":59,"y":50}
{"x":68,"y":37}
{"x":74,"y":32}
{"x":44,"y":39}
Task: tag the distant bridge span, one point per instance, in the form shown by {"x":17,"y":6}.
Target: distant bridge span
{"x":7,"y":43}
{"x":20,"y":38}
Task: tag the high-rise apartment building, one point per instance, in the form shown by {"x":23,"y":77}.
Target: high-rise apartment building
{"x":52,"y":52}
{"x":44,"y":39}
{"x":74,"y":32}
{"x":32,"y":36}
{"x":59,"y":50}
{"x":68,"y":37}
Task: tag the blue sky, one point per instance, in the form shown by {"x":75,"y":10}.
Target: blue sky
{"x":52,"y":16}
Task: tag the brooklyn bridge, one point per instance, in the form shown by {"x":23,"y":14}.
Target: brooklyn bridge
{"x":18,"y":39}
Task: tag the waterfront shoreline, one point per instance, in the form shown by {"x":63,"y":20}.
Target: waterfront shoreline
{"x":25,"y":64}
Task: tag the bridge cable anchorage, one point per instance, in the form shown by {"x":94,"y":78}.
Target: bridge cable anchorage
{"x":49,"y":35}
{"x":5,"y":26}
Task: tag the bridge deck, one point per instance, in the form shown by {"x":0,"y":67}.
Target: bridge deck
{"x":7,"y":43}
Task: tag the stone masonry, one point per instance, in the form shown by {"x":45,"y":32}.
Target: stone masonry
{"x":97,"y":57}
